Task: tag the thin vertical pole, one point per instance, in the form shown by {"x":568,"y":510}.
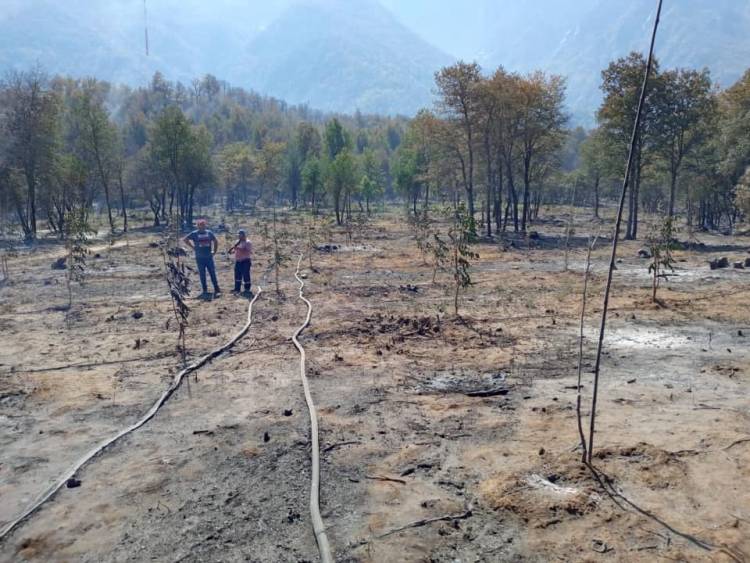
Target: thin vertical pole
{"x":145,"y":25}
{"x":615,"y":238}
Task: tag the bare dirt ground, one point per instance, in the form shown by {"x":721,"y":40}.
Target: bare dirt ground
{"x":409,"y":437}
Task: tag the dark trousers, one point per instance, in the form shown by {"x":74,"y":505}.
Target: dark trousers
{"x":203,"y":265}
{"x":242,"y":274}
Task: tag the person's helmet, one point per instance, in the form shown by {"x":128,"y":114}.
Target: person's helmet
{"x":241,"y":232}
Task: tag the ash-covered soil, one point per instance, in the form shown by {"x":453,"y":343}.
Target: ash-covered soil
{"x":443,"y":438}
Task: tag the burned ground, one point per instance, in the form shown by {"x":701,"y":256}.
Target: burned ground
{"x":464,"y":426}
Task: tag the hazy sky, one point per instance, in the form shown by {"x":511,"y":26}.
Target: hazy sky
{"x":455,"y":27}
{"x":449,"y":25}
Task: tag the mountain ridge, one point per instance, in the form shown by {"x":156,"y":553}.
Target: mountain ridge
{"x":378,"y":56}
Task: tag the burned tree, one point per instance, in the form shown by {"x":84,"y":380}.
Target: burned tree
{"x":177,"y":276}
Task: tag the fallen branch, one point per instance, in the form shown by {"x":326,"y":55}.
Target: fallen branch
{"x":382,"y":478}
{"x":487,"y":392}
{"x":340,"y":444}
{"x":737,"y":443}
{"x":416,"y":524}
{"x":158,"y":356}
{"x":424,"y":522}
{"x":623,"y":502}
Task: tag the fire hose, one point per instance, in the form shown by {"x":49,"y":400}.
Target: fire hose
{"x":317,"y":521}
{"x":176,"y":381}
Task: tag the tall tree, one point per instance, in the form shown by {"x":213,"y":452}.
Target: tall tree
{"x":506,"y":88}
{"x":595,"y":165}
{"x":542,"y":120}
{"x":489,"y":103}
{"x":458,"y":89}
{"x":312,"y":182}
{"x":621,"y":84}
{"x":170,"y":145}
{"x":236,"y":170}
{"x":98,"y":139}
{"x":734,"y":124}
{"x":29,"y":122}
{"x":685,"y":111}
{"x":406,"y":171}
{"x":341,"y":179}
{"x":182,"y":151}
{"x":336,"y":139}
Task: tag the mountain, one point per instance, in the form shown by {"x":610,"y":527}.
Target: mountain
{"x":374,"y":55}
{"x":187,"y":38}
{"x":335,"y":55}
{"x":342,"y":55}
{"x":578,"y":38}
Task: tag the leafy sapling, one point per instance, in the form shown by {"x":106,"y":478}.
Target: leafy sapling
{"x":279,"y":256}
{"x":460,"y":233}
{"x":440,"y":254}
{"x":262,"y":228}
{"x":360,"y":224}
{"x":661,"y":245}
{"x":77,"y":232}
{"x":422,"y":229}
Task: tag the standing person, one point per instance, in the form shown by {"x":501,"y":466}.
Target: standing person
{"x":243,"y":252}
{"x":205,"y":245}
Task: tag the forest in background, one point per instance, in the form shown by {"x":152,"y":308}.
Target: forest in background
{"x":499,"y":142}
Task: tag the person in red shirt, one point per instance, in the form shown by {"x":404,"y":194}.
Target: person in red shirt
{"x":243,"y":252}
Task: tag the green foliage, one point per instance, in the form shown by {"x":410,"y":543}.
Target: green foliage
{"x":685,"y":120}
{"x":181,"y":153}
{"x":308,"y":142}
{"x":734,"y":141}
{"x":263,"y":228}
{"x":312,"y":181}
{"x":77,"y":231}
{"x":440,"y":253}
{"x":422,"y":230}
{"x":460,"y":254}
{"x":660,"y":242}
{"x":341,"y":181}
{"x":94,"y":138}
{"x":336,"y":139}
{"x":236,"y":170}
{"x":30,"y":132}
{"x":369,"y":190}
{"x":372,"y":184}
{"x":174,"y":148}
{"x":742,"y":194}
{"x":280,"y":239}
